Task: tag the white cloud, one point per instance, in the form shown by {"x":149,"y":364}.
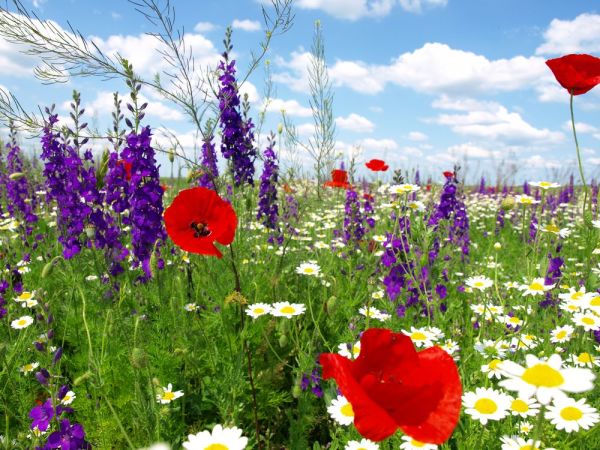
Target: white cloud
{"x":204,"y":27}
{"x":356,"y":123}
{"x":378,"y":145}
{"x":291,"y":107}
{"x":38,"y":3}
{"x":433,"y":68}
{"x":103,"y":105}
{"x":115,"y":15}
{"x":580,"y":35}
{"x":349,"y":9}
{"x":471,"y":150}
{"x":580,"y":127}
{"x":417,"y":136}
{"x":249,"y":88}
{"x":416,"y":6}
{"x":142,"y":51}
{"x":491,"y":121}
{"x":246,"y":25}
{"x":542,"y":162}
{"x":13,"y":62}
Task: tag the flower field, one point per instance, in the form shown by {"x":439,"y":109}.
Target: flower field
{"x":239,"y":305}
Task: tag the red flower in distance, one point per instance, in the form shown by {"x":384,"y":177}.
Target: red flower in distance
{"x":126,"y":167}
{"x":377,"y":165}
{"x":576,"y":73}
{"x":197,"y":218}
{"x":448,"y":174}
{"x":391,"y":386}
{"x":339,"y":179}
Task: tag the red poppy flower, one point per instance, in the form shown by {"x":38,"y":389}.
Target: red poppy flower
{"x":339,"y":179}
{"x":164,"y":187}
{"x":377,"y":165}
{"x":391,"y":386}
{"x":127,"y":167}
{"x":448,"y":174}
{"x":368,"y":197}
{"x":576,"y":73}
{"x":428,"y":188}
{"x":197,"y":218}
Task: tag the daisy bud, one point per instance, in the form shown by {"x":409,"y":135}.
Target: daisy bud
{"x":172,"y":155}
{"x":280,"y":128}
{"x":16,"y":176}
{"x":497,"y":245}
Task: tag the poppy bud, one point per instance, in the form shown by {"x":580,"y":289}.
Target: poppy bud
{"x":283,"y":340}
{"x":280,"y":128}
{"x":82,"y":378}
{"x":331,"y":304}
{"x":138,"y":358}
{"x":296,"y":391}
{"x":172,"y":155}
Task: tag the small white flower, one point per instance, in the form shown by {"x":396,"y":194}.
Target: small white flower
{"x":21,"y":322}
{"x":258,"y":309}
{"x":168,"y":395}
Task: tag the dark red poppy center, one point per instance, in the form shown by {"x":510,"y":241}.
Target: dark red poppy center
{"x":200,"y":229}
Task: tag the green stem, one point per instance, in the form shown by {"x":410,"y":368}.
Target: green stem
{"x":585,"y":186}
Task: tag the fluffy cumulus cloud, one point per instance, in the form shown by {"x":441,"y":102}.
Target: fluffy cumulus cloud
{"x":580,"y":35}
{"x":417,"y":136}
{"x":355,"y":123}
{"x":103,"y":105}
{"x":246,"y":25}
{"x":204,"y":27}
{"x":349,"y":9}
{"x":491,"y":121}
{"x":433,"y":68}
{"x":142,"y":51}
{"x":291,"y":107}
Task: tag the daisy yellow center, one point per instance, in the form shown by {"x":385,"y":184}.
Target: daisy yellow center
{"x":418,"y":336}
{"x":576,"y":295}
{"x":519,"y":406}
{"x":528,"y":447}
{"x":308,"y":270}
{"x":544,"y":184}
{"x":22,"y":322}
{"x":595,"y":301}
{"x":259,"y":310}
{"x":413,"y":206}
{"x":514,"y":320}
{"x":536,"y":286}
{"x":168,"y":396}
{"x":25,"y":296}
{"x":588,"y":321}
{"x":571,"y":413}
{"x":526,"y":201}
{"x":416,"y":443}
{"x":287,"y":310}
{"x":561,"y":334}
{"x":494,"y":364}
{"x":485,"y":406}
{"x":584,"y":358}
{"x":356,"y":350}
{"x":543,"y":375}
{"x":347,"y":410}
{"x":216,"y":447}
{"x":479,"y":284}
{"x":27,"y":367}
{"x":552,"y":228}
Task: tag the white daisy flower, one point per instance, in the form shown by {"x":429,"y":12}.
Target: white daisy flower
{"x":486,"y":404}
{"x":309,"y":268}
{"x":571,"y":415}
{"x":589,"y":321}
{"x":287,"y":309}
{"x":524,"y":407}
{"x":341,"y":410}
{"x":584,"y":359}
{"x":479,"y":282}
{"x":28,"y":368}
{"x":518,"y":443}
{"x":561,"y":334}
{"x":421,"y":337}
{"x":525,"y":427}
{"x":22,"y":322}
{"x":364,"y":444}
{"x":168,"y":395}
{"x":545,"y":379}
{"x":68,"y":398}
{"x":349,"y":351}
{"x":219,"y":438}
{"x":403,"y":188}
{"x":493,"y":369}
{"x":536,"y":287}
{"x":545,"y":185}
{"x":413,"y":444}
{"x":258,"y":309}
{"x":525,"y":200}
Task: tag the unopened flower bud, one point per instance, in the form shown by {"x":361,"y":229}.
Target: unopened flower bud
{"x":497,"y":245}
{"x":16,"y":176}
{"x":508,"y":203}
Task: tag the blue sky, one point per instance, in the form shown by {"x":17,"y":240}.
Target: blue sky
{"x":419,"y":83}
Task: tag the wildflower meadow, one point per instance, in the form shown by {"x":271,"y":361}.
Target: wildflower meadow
{"x":244,"y":302}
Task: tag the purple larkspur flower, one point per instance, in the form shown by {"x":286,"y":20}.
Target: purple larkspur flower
{"x":68,"y":437}
{"x":42,"y":415}
{"x":268,"y":210}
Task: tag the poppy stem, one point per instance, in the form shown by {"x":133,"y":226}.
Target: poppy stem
{"x":585,"y":187}
{"x":238,"y":286}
